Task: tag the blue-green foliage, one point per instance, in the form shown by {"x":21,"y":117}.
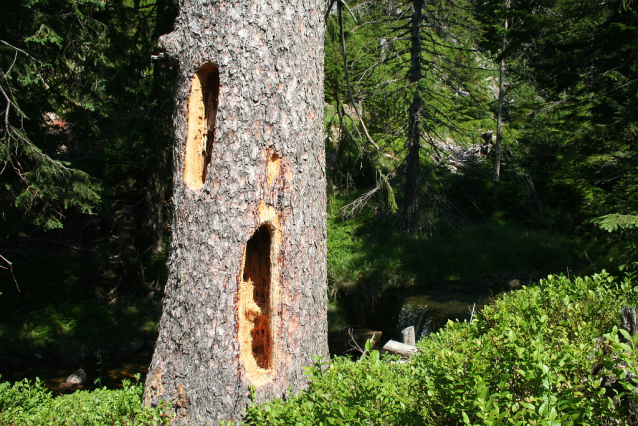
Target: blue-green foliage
{"x":369,"y":392}
{"x":29,"y":403}
{"x":535,"y":356}
{"x":528,"y":358}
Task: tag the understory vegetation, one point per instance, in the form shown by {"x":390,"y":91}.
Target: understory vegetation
{"x":548,"y":354}
{"x":30,"y":403}
{"x":552,"y":353}
{"x":366,"y":260}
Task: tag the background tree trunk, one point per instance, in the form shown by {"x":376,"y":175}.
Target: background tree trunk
{"x":157,"y":140}
{"x":499,"y":119}
{"x":246,"y":297}
{"x":413,"y":160}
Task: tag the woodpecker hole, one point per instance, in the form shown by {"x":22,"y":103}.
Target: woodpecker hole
{"x":202,"y":117}
{"x":256,"y":294}
{"x":274,"y":167}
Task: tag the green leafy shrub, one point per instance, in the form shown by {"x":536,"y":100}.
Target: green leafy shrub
{"x":29,"y":403}
{"x":541,"y":355}
{"x":528,"y":359}
{"x":369,"y":392}
{"x":550,"y":354}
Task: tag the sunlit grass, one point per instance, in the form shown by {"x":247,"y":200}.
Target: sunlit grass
{"x":480,"y":249}
{"x":364,"y":256}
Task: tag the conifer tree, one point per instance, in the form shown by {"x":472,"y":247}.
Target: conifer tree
{"x":245,"y":305}
{"x":421,"y":83}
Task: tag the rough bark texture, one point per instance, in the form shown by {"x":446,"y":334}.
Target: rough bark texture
{"x":246,"y":298}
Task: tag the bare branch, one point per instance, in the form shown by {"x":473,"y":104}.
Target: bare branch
{"x":11,"y":269}
{"x":352,"y":209}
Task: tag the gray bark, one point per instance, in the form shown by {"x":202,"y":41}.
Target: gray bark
{"x":409,"y":335}
{"x":629,"y":320}
{"x":248,"y":243}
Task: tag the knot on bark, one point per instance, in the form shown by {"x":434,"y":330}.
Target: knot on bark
{"x":169,"y":45}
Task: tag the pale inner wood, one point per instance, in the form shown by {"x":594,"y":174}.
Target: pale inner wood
{"x":258,"y":298}
{"x":274,"y":167}
{"x":202,"y":117}
{"x":257,"y":306}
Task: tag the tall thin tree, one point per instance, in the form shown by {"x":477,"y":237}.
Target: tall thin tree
{"x":413,"y":161}
{"x":499,"y":118}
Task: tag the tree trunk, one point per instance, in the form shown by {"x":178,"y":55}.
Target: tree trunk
{"x":131,"y":272}
{"x":246,"y":300}
{"x":499,"y":119}
{"x":153,"y":224}
{"x":413,"y":167}
{"x":157,"y":140}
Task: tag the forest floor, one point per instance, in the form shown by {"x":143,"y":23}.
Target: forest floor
{"x":55,"y":324}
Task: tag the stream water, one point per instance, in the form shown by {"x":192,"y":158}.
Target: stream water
{"x":428,"y":310}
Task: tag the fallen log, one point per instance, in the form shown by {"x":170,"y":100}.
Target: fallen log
{"x":400,"y":348}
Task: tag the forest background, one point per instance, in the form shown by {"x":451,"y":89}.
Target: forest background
{"x":467,"y":141}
